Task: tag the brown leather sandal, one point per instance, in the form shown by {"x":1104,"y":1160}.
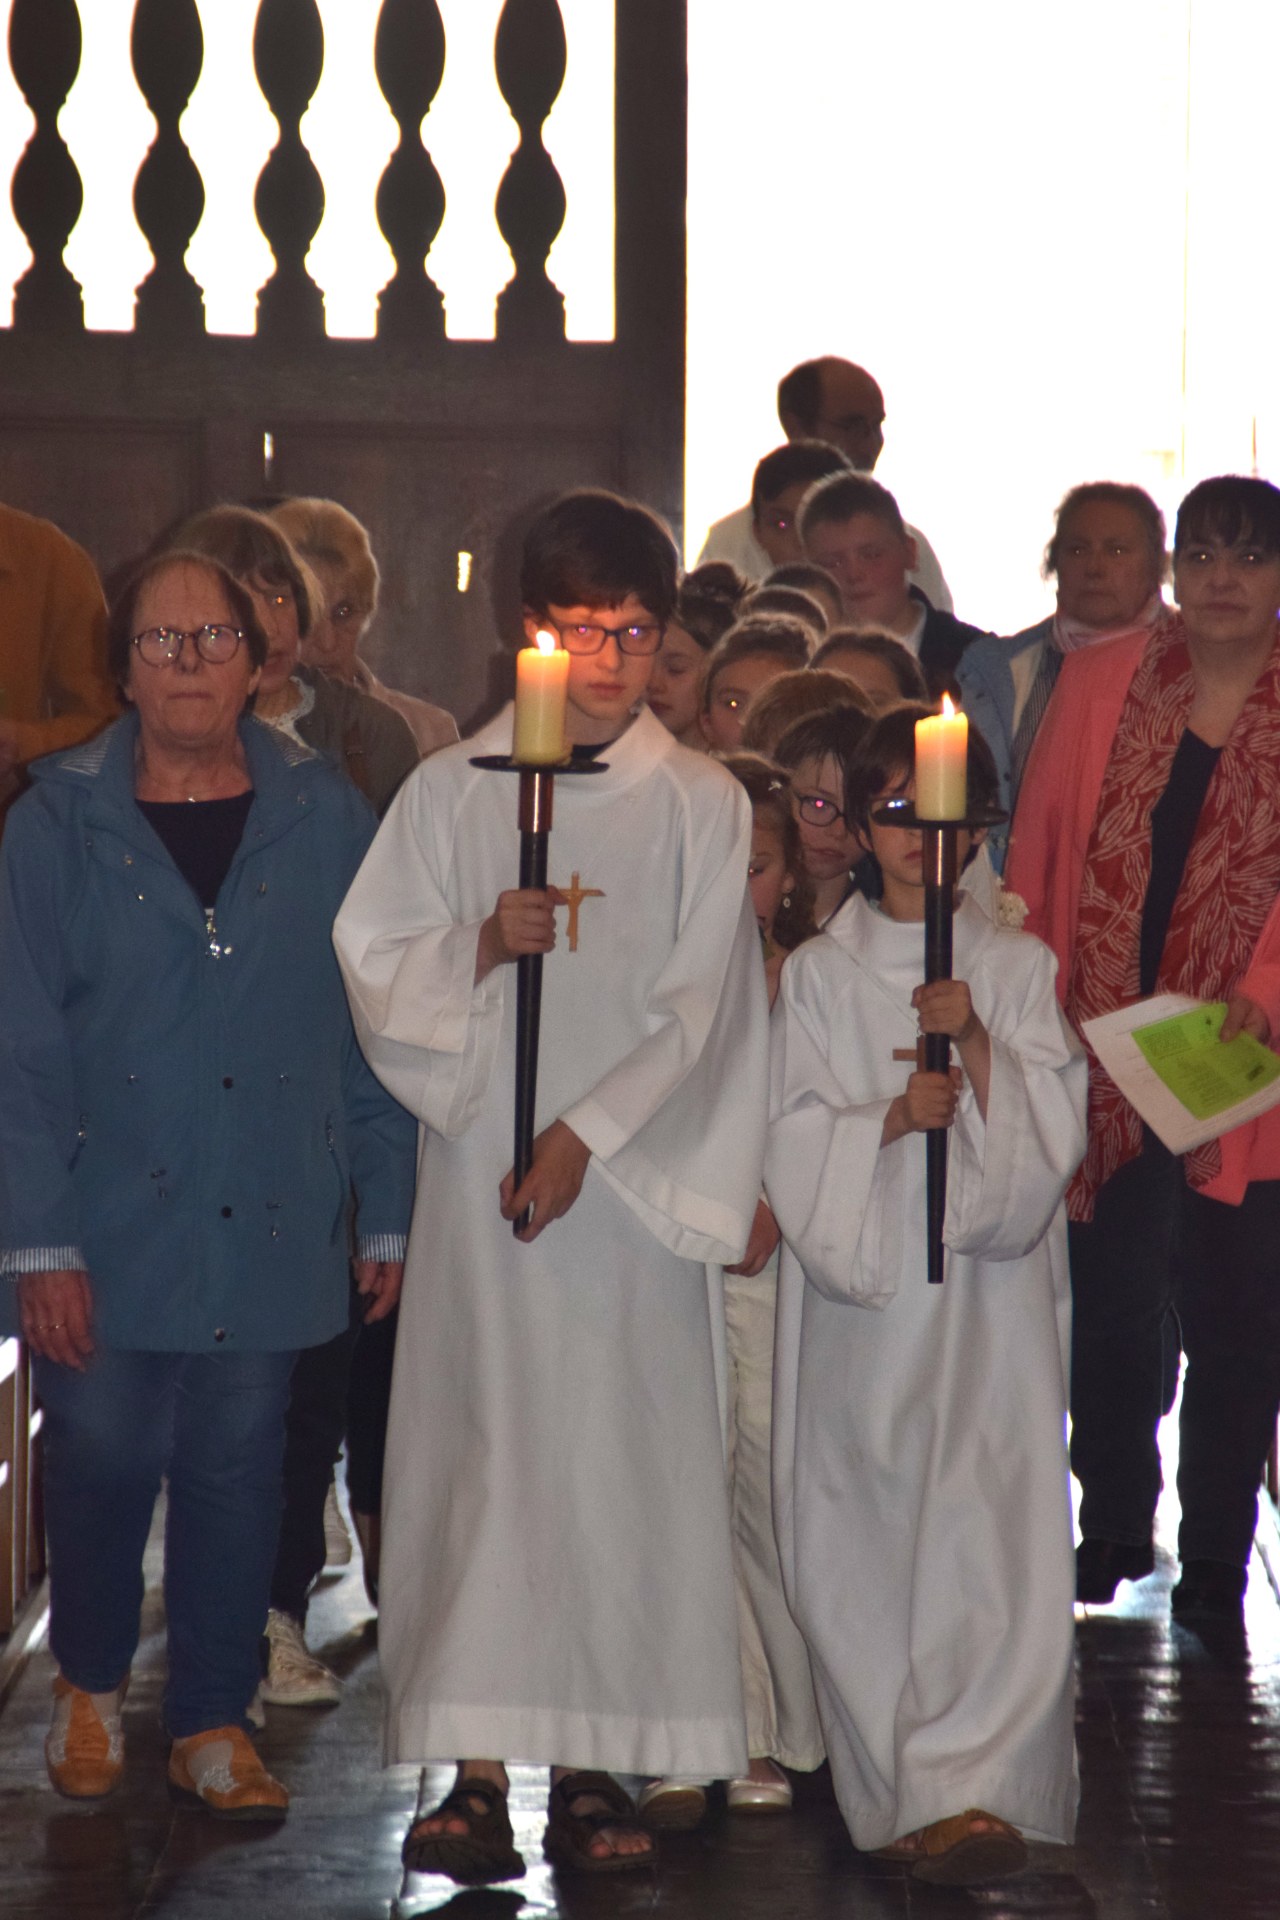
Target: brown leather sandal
{"x":568,"y":1835}
{"x":952,"y":1854}
{"x":904,"y":1851}
{"x":484,"y":1853}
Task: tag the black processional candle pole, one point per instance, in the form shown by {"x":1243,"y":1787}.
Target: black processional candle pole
{"x":941,"y":787}
{"x":939,"y":912}
{"x":537,"y":790}
{"x":538,"y":755}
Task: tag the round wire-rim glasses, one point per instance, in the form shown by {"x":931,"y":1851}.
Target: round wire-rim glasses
{"x":817,"y":811}
{"x":214,"y":642}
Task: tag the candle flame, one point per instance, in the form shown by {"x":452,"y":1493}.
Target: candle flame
{"x":948,"y":707}
{"x":545,"y":642}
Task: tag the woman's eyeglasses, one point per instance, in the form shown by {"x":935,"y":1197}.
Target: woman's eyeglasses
{"x":161,"y":646}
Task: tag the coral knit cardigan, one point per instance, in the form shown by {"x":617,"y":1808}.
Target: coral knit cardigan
{"x":1056,"y":809}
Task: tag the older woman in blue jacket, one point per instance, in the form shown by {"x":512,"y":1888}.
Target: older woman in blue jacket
{"x":184,"y":1119}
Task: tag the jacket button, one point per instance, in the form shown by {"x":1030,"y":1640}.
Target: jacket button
{"x":219,"y":1333}
{"x":226,"y":1213}
{"x":227,"y":1081}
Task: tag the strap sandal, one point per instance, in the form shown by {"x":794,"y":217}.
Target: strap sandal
{"x":568,"y":1836}
{"x":952,"y":1853}
{"x":483,"y":1854}
{"x":904,"y":1851}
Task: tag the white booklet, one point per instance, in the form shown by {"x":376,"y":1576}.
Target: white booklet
{"x":1165,"y":1056}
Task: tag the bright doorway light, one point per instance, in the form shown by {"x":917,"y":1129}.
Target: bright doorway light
{"x":987,"y":207}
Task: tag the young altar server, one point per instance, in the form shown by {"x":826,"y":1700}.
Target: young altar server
{"x":920,"y":1468}
{"x":557,"y":1578}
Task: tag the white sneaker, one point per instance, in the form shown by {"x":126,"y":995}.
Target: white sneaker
{"x":255,"y":1713}
{"x":295,"y":1678}
{"x":337,"y":1541}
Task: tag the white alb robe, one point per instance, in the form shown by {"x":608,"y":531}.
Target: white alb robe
{"x":920,"y":1467}
{"x":556,"y":1581}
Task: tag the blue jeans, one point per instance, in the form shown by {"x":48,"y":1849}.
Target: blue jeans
{"x":214,"y":1424}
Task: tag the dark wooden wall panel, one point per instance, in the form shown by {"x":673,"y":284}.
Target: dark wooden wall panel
{"x":426,"y":498}
{"x":110,"y":484}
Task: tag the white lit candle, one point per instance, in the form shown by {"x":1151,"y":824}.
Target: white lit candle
{"x":542,"y":687}
{"x":942,"y":753}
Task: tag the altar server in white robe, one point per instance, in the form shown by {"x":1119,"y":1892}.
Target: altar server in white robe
{"x":557,"y":1582}
{"x":920,"y":1489}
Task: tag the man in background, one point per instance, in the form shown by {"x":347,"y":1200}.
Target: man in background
{"x":833,"y":400}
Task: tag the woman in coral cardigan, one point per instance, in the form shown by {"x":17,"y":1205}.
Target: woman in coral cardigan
{"x":1147,"y":845}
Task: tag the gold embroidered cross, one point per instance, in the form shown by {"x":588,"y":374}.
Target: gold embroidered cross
{"x":573,"y":899}
{"x":916,"y":1055}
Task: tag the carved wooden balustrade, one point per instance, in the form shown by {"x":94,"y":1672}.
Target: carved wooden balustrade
{"x":111,"y":434}
{"x":167,"y":48}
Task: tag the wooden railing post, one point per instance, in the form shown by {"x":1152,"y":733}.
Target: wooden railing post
{"x":168,"y":194}
{"x":409,"y":55}
{"x":529,"y":57}
{"x":288,"y":53}
{"x":44,"y":53}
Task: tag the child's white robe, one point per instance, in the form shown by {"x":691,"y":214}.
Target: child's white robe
{"x":556,"y":1579}
{"x":920,"y":1467}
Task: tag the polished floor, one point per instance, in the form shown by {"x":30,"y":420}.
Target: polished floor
{"x":1180,"y":1814}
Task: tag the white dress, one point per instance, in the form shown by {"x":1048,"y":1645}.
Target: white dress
{"x":920,"y":1467}
{"x":556,"y":1580}
{"x":777,"y":1685}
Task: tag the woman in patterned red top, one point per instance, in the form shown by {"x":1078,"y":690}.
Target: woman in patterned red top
{"x":1148,"y":848}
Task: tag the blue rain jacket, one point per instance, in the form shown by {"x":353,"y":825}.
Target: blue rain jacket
{"x":183,"y":1102}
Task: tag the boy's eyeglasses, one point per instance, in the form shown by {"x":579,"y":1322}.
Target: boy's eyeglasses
{"x":817,"y":811}
{"x":161,"y":646}
{"x":590,"y":638}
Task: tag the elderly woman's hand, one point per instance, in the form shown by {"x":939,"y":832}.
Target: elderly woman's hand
{"x":378,"y":1284}
{"x":57,"y":1310}
{"x":1245,"y":1016}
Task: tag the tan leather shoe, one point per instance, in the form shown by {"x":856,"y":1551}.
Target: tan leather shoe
{"x":746,"y":1794}
{"x":219,"y":1771}
{"x":84,"y":1747}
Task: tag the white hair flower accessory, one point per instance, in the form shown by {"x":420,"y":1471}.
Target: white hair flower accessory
{"x":1011,"y":908}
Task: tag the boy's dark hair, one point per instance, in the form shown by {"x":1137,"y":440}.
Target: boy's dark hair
{"x":805,"y":575}
{"x":121,"y":624}
{"x":877,"y":645}
{"x":781,"y":702}
{"x":590,"y":548}
{"x":769,"y":791}
{"x":708,"y":600}
{"x":834,"y":733}
{"x":253,"y":548}
{"x":777,"y":637}
{"x":887,"y":754}
{"x":842,"y":495}
{"x":792,"y":600}
{"x":1232,"y":509}
{"x":798,"y":463}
